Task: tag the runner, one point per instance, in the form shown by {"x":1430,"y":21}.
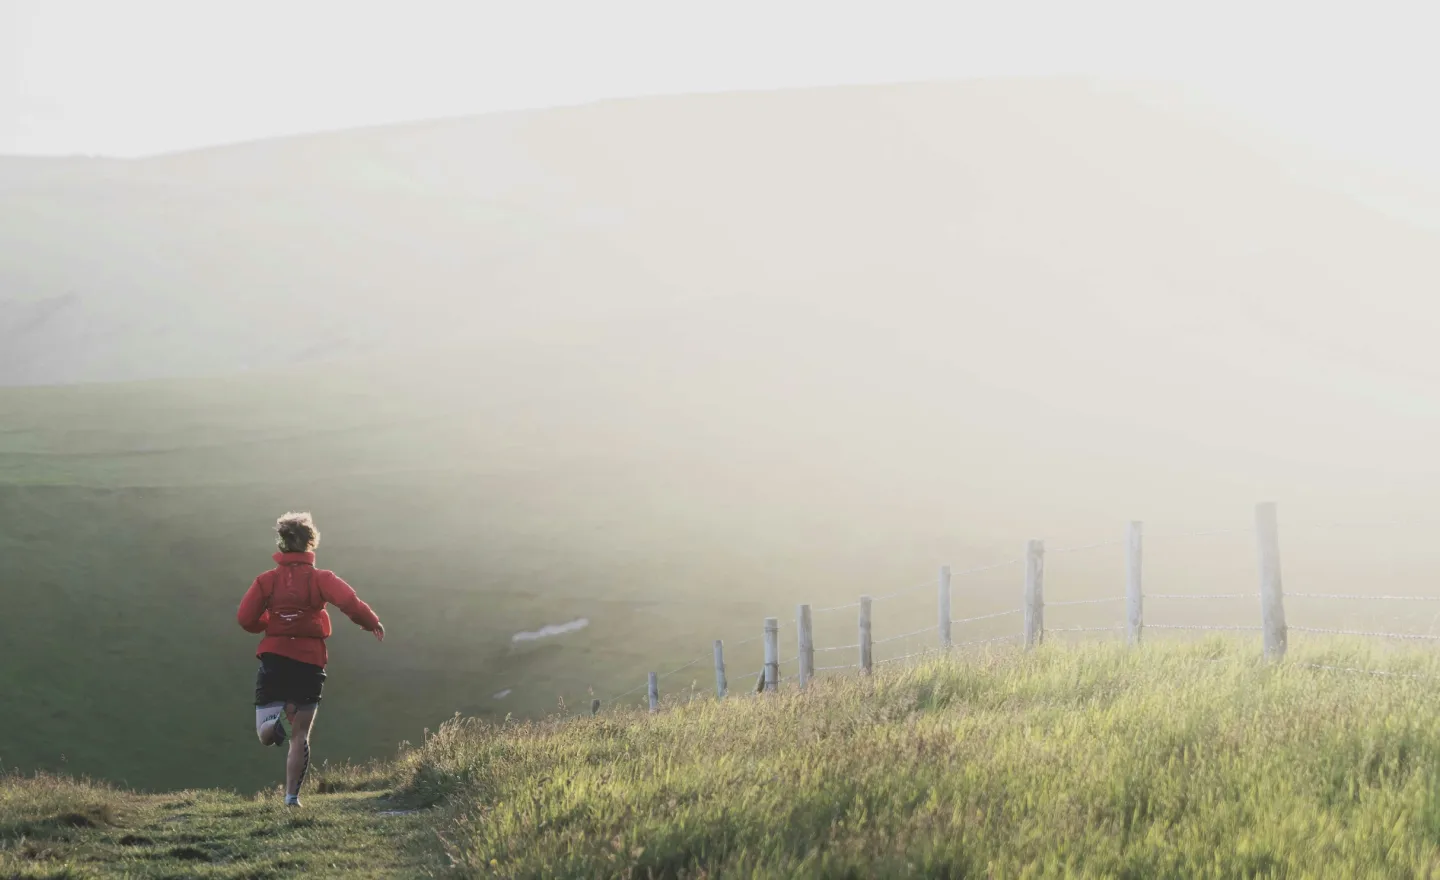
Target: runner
{"x":287,"y":604}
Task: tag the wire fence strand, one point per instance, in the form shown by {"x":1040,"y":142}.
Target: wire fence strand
{"x":905,"y":592}
{"x":1203,"y":534}
{"x":742,"y":642}
{"x":1205,"y":626}
{"x":1106,"y":600}
{"x":904,"y":657}
{"x":1376,"y":524}
{"x":1360,"y":597}
{"x":618,"y":697}
{"x":1084,"y":602}
{"x":918,"y":632}
{"x":1365,"y":671}
{"x":984,"y":568}
{"x":1357,"y":632}
{"x":932,"y":585}
{"x":1082,"y":548}
{"x":986,"y":641}
{"x":683,"y":668}
{"x":988,"y":616}
{"x":1255,"y":595}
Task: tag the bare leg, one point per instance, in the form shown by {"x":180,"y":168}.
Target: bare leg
{"x":299,"y":759}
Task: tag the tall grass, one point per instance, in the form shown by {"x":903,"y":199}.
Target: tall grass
{"x":1173,"y":761}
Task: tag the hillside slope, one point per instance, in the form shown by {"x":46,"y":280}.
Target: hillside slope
{"x":670,"y":366}
{"x":1042,"y":201}
{"x":1169,"y":762}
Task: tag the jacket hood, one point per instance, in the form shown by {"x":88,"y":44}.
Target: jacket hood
{"x":307,"y":558}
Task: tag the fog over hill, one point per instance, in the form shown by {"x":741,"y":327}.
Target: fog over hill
{"x":673,"y":365}
{"x":930,"y":209}
{"x":1056,"y":241}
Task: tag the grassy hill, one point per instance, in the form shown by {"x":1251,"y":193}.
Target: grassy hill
{"x":1043,"y":202}
{"x":126,"y":548}
{"x":671,"y":366}
{"x":1168,"y":762}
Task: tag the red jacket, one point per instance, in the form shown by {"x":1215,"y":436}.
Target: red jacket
{"x":254,"y":613}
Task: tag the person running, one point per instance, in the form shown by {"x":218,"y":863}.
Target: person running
{"x":287,"y":604}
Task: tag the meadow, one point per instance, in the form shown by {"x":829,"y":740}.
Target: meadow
{"x":632,"y":364}
{"x":1172,"y":761}
{"x":133,"y":516}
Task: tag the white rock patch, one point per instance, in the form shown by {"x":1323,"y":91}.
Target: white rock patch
{"x":545,"y":632}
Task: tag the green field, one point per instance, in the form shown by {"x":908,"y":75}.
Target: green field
{"x":1173,"y":761}
{"x":634,"y":364}
{"x":133,"y":516}
{"x":467,"y":509}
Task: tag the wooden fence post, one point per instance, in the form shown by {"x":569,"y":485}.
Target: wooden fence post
{"x":1034,"y":593}
{"x":1134,"y":596}
{"x":807,"y":644}
{"x":654,"y":693}
{"x":865,"y":652}
{"x":772,"y":653}
{"x":945,"y":606}
{"x":1272,"y":596}
{"x":721,"y":686}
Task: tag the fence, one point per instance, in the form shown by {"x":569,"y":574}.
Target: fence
{"x":1031,"y":614}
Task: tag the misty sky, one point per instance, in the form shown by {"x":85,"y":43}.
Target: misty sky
{"x":147,"y":76}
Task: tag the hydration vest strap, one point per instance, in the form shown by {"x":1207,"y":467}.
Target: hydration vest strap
{"x":317,"y":596}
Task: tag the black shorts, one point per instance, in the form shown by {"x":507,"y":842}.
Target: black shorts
{"x":283,"y":680}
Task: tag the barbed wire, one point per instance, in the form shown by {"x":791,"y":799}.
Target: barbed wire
{"x":987,"y":616}
{"x":898,"y":659}
{"x":981,"y":569}
{"x":618,"y":697}
{"x":1084,"y":602}
{"x":1364,"y":671}
{"x":1358,"y":596}
{"x":984,"y":568}
{"x":1357,"y":632}
{"x":1204,"y":534}
{"x":683,"y":668}
{"x":1206,"y":626}
{"x":1096,"y":601}
{"x":904,"y":592}
{"x":918,"y":632}
{"x":1082,"y":548}
{"x":1365,"y":524}
{"x":987,"y":641}
{"x":1254,"y":595}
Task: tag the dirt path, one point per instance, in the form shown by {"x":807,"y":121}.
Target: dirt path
{"x":212,"y":835}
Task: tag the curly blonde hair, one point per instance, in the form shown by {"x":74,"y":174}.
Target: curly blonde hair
{"x":296,"y":533}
